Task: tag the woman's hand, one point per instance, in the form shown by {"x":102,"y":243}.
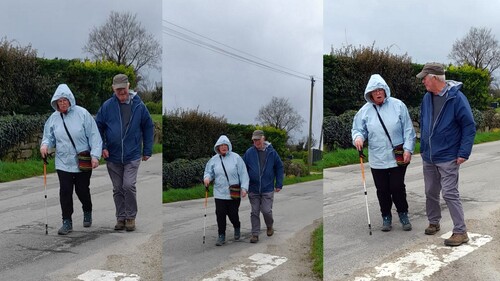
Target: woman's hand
{"x":44,"y":151}
{"x":358,"y":142}
{"x":407,"y":157}
{"x":95,"y":163}
{"x":243,"y":193}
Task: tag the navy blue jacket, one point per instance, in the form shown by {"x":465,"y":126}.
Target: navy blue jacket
{"x":137,"y":139}
{"x":452,"y":135}
{"x":273,"y":170}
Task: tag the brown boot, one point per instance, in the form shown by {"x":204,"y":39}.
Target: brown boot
{"x":270,"y":231}
{"x":120,"y":225}
{"x":432,"y":229}
{"x":130,"y":224}
{"x":457,"y":239}
{"x":254,"y":239}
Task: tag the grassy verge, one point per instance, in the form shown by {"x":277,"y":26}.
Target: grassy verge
{"x":317,"y":251}
{"x":341,"y":157}
{"x":198,"y":191}
{"x":11,"y":171}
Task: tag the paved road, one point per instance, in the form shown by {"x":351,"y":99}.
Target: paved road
{"x":296,"y":207}
{"x":350,"y":253}
{"x":26,"y":253}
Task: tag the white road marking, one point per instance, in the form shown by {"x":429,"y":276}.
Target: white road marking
{"x":416,"y":266}
{"x":259,"y":265}
{"x":105,"y":275}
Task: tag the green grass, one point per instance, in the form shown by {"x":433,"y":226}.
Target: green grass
{"x":494,"y":135}
{"x":198,"y":191}
{"x":317,"y":251}
{"x":11,"y":171}
{"x":157,"y":118}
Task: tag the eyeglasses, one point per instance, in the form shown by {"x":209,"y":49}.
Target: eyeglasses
{"x":377,"y":91}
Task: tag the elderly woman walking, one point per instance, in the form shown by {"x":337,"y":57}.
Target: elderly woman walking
{"x":385,"y":123}
{"x":226,"y":168}
{"x":71,"y":130}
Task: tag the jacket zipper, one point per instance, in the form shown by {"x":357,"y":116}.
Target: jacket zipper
{"x":434,"y":125}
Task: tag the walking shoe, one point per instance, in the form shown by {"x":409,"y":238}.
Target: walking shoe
{"x":237,"y":234}
{"x":432,"y":229}
{"x":254,"y":239}
{"x":457,"y":239}
{"x":386,"y":223}
{"x":221,"y":240}
{"x":270,"y":231}
{"x":120,"y":225}
{"x":87,"y":219}
{"x":130,"y":224}
{"x":66,"y":228}
{"x":405,"y":221}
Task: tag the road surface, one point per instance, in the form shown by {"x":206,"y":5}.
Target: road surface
{"x":27,"y":253}
{"x":284,"y":256}
{"x":350,"y":253}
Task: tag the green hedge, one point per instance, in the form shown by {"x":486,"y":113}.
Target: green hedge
{"x":27,"y":82}
{"x":154,"y":107}
{"x":183,"y":173}
{"x":19,"y":128}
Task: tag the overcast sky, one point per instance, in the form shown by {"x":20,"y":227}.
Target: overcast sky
{"x":60,"y":28}
{"x":286,"y":33}
{"x":426,"y":30}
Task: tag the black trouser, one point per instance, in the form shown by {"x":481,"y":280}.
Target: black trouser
{"x":390,"y":184}
{"x":228,"y":208}
{"x":81,"y":182}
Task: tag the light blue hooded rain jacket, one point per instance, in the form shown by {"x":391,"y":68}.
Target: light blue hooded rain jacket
{"x":367,"y":126}
{"x":81,"y":126}
{"x":235,"y":168}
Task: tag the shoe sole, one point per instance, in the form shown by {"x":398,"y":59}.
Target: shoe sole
{"x":386,"y":229}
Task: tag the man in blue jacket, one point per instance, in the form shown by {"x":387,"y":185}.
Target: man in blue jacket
{"x":265,"y":170}
{"x":127,"y":135}
{"x":447,"y":134}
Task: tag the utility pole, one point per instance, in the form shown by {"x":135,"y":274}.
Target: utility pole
{"x":309,"y":141}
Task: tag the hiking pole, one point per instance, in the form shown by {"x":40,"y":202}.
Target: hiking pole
{"x":45,"y":193}
{"x":361,"y":156}
{"x":205,"y":220}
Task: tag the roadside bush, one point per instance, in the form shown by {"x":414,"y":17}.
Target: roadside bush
{"x":337,"y":130}
{"x":295,"y":168}
{"x":154,"y":107}
{"x":190,"y":134}
{"x":19,"y":128}
{"x":183,"y":173}
{"x":478,"y":118}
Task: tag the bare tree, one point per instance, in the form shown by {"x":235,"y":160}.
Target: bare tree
{"x":478,"y":48}
{"x":280,"y":114}
{"x":123,"y":40}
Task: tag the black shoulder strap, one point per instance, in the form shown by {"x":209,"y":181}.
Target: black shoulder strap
{"x":222,"y":162}
{"x":67,"y":132}
{"x":383,"y":125}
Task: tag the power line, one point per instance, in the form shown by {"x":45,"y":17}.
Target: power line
{"x":192,"y":37}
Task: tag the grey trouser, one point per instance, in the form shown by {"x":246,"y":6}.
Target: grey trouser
{"x":124,"y":178}
{"x":261,"y":203}
{"x":443,"y":177}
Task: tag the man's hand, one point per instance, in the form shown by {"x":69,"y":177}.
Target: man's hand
{"x":277,"y":189}
{"x":105,"y":153}
{"x":461,"y":160}
{"x":145,"y":158}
